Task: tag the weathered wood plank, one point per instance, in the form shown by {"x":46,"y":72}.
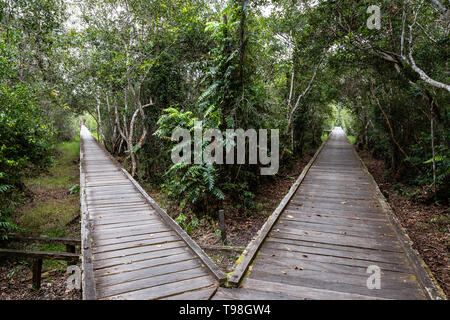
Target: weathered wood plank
{"x":152,"y":282}
{"x":166,"y":290}
{"x":303,"y":292}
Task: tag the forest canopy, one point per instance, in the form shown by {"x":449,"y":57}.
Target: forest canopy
{"x":139,"y":69}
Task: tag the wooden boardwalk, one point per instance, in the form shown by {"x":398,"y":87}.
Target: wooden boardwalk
{"x":131,"y":248}
{"x":318,"y":244}
{"x":324,"y":237}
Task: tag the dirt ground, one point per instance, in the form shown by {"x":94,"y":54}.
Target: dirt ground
{"x":427,"y":224}
{"x":47,"y":209}
{"x":15,"y":283}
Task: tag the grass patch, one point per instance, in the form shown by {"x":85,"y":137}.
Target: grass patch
{"x":52,"y":207}
{"x":64,"y":172}
{"x":324,"y":137}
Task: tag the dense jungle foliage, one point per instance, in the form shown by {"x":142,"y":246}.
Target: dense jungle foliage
{"x":138,"y":69}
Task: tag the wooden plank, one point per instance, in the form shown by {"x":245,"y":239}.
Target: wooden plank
{"x":339,"y":251}
{"x":166,"y":290}
{"x":129,"y":231}
{"x":250,"y":294}
{"x":131,"y":287}
{"x":135,"y":244}
{"x":107,"y":242}
{"x":123,"y":268}
{"x":249,"y":253}
{"x":337,"y":221}
{"x":138,"y":250}
{"x":150,"y":272}
{"x":137,"y":257}
{"x":342,"y":240}
{"x":117,"y":222}
{"x":303,"y":292}
{"x":124,"y":225}
{"x":352,"y":230}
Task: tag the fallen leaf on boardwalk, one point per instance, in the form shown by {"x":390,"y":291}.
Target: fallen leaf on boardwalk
{"x":278,"y":230}
{"x":100,"y":217}
{"x":283,"y":272}
{"x":159,"y":246}
{"x":290,"y":217}
{"x":250,"y":268}
{"x":304,"y":256}
{"x":297,"y":268}
{"x":319,"y":233}
{"x":343,"y":202}
{"x":342,"y":232}
{"x":288,"y":249}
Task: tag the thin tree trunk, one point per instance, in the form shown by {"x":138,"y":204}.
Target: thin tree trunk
{"x":100,"y":127}
{"x":433,"y":150}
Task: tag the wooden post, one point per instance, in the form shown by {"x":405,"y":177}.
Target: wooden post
{"x":222,"y":225}
{"x":37,"y":269}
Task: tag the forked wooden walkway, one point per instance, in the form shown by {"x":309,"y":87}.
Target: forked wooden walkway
{"x":327,"y":231}
{"x":131,"y":248}
{"x":318,"y":244}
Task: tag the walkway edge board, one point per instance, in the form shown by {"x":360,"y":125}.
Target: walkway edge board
{"x":87,"y":278}
{"x":250,"y":251}
{"x":422,"y":271}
